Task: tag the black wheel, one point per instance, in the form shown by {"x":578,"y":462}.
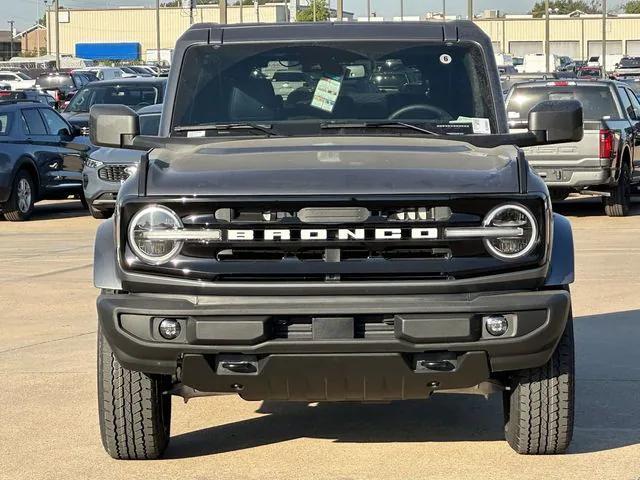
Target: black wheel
{"x":539,"y":408}
{"x":20,"y":204}
{"x":619,"y":203}
{"x":135,"y":414}
{"x":100,"y":214}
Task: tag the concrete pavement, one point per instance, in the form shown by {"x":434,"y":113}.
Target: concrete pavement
{"x":48,"y":416}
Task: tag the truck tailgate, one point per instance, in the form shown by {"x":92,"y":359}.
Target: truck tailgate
{"x":586,"y":151}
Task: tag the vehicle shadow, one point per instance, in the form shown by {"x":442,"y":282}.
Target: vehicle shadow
{"x":588,"y":207}
{"x":59,"y":209}
{"x":607,"y":391}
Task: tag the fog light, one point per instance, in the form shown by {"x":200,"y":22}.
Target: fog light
{"x":169,"y":329}
{"x":496,"y":325}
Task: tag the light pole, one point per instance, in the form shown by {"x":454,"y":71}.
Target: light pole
{"x":11,"y":23}
{"x":402,"y":10}
{"x":470,"y":10}
{"x":57,"y":35}
{"x":444,"y":9}
{"x":604,"y":37}
{"x":48,"y":22}
{"x":340,"y":10}
{"x":158,"y":30}
{"x":369,"y":10}
{"x":547,"y":43}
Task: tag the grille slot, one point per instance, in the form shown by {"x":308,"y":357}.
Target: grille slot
{"x":112,"y":173}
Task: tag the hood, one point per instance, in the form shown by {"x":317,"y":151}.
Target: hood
{"x":119,"y":156}
{"x":336,"y":166}
{"x":79,"y":119}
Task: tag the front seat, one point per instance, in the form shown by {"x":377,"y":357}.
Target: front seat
{"x":254,"y":99}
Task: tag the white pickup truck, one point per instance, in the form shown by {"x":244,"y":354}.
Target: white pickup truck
{"x":607,"y":160}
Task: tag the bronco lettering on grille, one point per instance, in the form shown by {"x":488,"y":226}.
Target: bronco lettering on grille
{"x":341,"y":234}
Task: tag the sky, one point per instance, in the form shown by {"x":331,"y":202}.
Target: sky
{"x":24,"y":12}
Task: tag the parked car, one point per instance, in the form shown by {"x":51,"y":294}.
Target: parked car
{"x":61,"y":85}
{"x":30,"y":94}
{"x":305,"y":252}
{"x":103,"y":73}
{"x":589,"y":72}
{"x":143,"y":70}
{"x":629,"y":67}
{"x":131,"y":73}
{"x":132,"y":92}
{"x":633,"y":83}
{"x":17,"y":80}
{"x":38,"y":160}
{"x":605,"y":160}
{"x":107,"y":168}
{"x":5,"y":86}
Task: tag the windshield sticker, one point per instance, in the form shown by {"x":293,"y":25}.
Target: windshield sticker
{"x":456,"y":128}
{"x":514,"y":115}
{"x":480,"y":125}
{"x":326,"y":93}
{"x":445,"y":59}
{"x":196,"y":134}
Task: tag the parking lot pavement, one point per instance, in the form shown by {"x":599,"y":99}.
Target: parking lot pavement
{"x":48,"y":417}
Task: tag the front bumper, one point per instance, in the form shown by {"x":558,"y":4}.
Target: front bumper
{"x":315,"y":348}
{"x":100,"y":194}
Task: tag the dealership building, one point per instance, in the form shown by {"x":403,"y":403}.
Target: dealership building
{"x":577,"y":35}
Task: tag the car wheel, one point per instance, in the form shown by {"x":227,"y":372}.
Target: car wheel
{"x":100,"y":214}
{"x":134,"y":413}
{"x":559,"y":194}
{"x":619,"y":203}
{"x":539,"y":407}
{"x":20,"y":204}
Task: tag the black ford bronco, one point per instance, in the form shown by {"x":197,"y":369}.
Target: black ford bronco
{"x":369,"y":233}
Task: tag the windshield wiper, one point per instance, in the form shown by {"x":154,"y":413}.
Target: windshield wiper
{"x":267,"y":129}
{"x":381,"y":124}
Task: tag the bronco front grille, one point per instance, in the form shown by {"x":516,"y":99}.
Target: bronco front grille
{"x":113,"y":173}
{"x":335,"y":257}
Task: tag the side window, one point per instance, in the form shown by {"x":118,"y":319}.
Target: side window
{"x":34,"y":122}
{"x":4,"y":123}
{"x":150,"y":124}
{"x":635,"y":103}
{"x":6,"y":77}
{"x":54,"y":121}
{"x":626,"y":103}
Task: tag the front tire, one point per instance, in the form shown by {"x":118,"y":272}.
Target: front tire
{"x":20,"y":205}
{"x":619,"y":203}
{"x":539,"y":408}
{"x":135,"y":414}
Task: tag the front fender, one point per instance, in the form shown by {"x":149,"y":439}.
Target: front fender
{"x":562,"y":267}
{"x":105,"y":260}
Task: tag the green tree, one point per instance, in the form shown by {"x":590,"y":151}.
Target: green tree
{"x":321,"y":11}
{"x":564,"y":7}
{"x":632,"y":6}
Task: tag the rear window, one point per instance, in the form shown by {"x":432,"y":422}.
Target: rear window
{"x":597,"y":101}
{"x":13,"y":95}
{"x":5,"y":118}
{"x":53,"y":81}
{"x":134,"y":96}
{"x":632,"y":62}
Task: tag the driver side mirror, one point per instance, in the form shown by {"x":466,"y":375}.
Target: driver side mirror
{"x":113,"y":126}
{"x":557,"y":121}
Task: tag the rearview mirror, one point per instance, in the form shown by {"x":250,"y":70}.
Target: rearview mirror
{"x":557,"y":121}
{"x":113,"y":126}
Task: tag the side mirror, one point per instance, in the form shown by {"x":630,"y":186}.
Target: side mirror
{"x":113,"y":126}
{"x":558,"y":121}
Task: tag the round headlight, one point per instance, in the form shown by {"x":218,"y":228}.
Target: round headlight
{"x":517,"y":219}
{"x":144,"y":224}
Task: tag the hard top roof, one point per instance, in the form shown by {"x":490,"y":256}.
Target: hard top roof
{"x":450,"y":31}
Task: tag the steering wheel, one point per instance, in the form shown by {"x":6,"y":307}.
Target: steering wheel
{"x":439,"y":112}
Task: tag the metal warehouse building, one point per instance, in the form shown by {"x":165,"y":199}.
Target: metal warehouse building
{"x":578,"y":36}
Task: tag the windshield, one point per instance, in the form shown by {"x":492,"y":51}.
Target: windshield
{"x":23,"y":76}
{"x":441,"y":85}
{"x":630,"y":62}
{"x":46,"y":81}
{"x":597,"y":101}
{"x":133,"y":96}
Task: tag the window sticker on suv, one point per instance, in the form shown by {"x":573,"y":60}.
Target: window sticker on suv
{"x":326,"y":93}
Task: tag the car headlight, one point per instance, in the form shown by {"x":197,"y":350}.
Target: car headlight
{"x":91,"y":163}
{"x":131,"y":170}
{"x":152,"y":222}
{"x":516,"y":246}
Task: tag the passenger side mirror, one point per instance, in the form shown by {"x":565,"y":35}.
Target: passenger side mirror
{"x":113,"y":126}
{"x":557,"y":121}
